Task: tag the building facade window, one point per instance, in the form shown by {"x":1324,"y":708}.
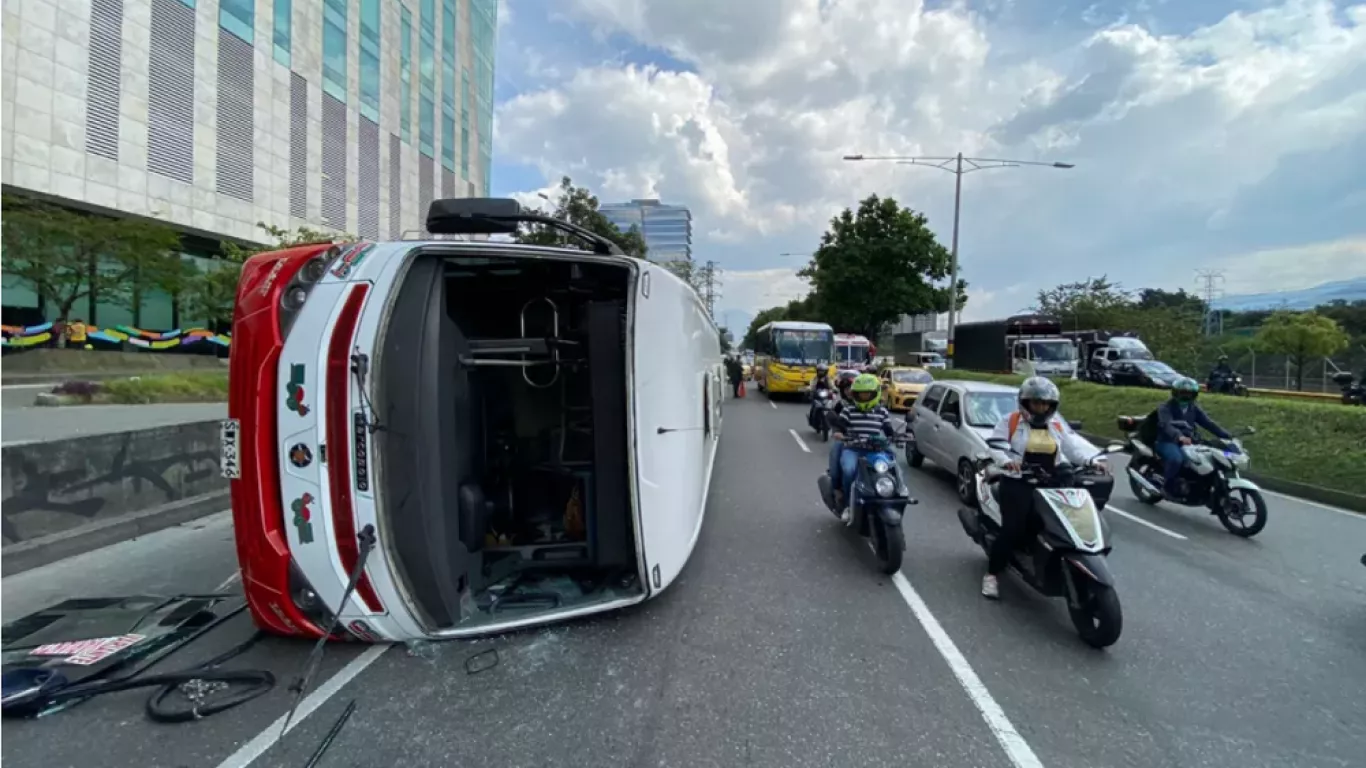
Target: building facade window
{"x":483,"y":28}
{"x":448,"y":69}
{"x":426,"y":81}
{"x":239,"y":18}
{"x":282,"y":30}
{"x":334,"y":49}
{"x":369,"y":59}
{"x":405,"y":75}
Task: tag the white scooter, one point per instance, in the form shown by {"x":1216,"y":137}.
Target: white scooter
{"x":1063,"y":554}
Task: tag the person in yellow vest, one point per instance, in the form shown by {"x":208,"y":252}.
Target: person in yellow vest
{"x":1040,"y":437}
{"x":75,"y":333}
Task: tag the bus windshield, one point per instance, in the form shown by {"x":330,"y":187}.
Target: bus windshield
{"x":804,"y":347}
{"x":851,"y":354}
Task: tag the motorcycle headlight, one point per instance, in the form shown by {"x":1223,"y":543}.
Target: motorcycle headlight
{"x":885,"y":487}
{"x":881,"y":467}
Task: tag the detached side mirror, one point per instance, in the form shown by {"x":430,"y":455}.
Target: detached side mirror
{"x":951,"y":418}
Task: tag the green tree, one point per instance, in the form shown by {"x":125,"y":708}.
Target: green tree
{"x":1093,"y":303}
{"x":577,"y":205}
{"x":67,"y":256}
{"x":877,"y":264}
{"x":685,"y":271}
{"x":806,"y":308}
{"x":1301,"y":337}
{"x":1180,"y":300}
{"x":727,"y":341}
{"x":212,"y":293}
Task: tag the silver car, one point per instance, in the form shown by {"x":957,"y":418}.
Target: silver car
{"x":951,"y":423}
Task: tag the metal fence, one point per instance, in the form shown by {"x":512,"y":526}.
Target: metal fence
{"x":1266,"y":371}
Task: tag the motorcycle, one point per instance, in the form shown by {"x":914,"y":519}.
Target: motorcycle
{"x":878,"y":499}
{"x":1353,"y":391}
{"x":816,"y":417}
{"x":1067,"y":529}
{"x":1211,"y":478}
{"x":1227,"y":384}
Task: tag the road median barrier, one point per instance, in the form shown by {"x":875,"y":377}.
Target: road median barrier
{"x":1312,"y":450}
{"x":64,"y":497}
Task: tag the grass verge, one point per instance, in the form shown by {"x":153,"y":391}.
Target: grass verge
{"x":190,"y":387}
{"x":1321,"y":444}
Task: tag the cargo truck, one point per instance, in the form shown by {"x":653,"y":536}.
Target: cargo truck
{"x":1027,"y":345}
{"x":924,"y":349}
{"x":1098,"y":350}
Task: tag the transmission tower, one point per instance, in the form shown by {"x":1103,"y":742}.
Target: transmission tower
{"x":1211,"y":282}
{"x":710,"y":283}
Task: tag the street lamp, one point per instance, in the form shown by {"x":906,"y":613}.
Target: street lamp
{"x":954,"y":165}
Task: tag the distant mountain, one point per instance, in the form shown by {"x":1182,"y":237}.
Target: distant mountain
{"x":1352,"y":289}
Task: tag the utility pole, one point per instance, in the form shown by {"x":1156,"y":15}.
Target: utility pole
{"x":955,"y":165}
{"x":1211,"y":288}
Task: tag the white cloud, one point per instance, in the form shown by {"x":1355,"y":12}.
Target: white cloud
{"x":1293,"y":268}
{"x":752,"y":290}
{"x":1188,"y":147}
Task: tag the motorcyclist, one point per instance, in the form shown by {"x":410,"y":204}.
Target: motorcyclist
{"x":863,"y":416}
{"x":1221,"y":376}
{"x":1038,"y":436}
{"x":1171,"y":437}
{"x":821,"y":383}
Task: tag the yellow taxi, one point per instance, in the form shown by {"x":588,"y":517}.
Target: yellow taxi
{"x":902,"y":385}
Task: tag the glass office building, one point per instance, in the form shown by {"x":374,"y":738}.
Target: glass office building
{"x":213,"y":117}
{"x":667,"y":228}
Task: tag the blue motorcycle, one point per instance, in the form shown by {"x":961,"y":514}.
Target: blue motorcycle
{"x":878,"y":498}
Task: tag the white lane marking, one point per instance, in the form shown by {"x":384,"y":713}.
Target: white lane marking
{"x":773,"y":405}
{"x":1112,"y":508}
{"x":799,"y":440}
{"x":256,"y":747}
{"x":228,"y":582}
{"x":1339,"y":510}
{"x":1021,"y":756}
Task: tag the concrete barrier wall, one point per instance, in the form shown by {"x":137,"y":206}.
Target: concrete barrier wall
{"x":67,"y":496}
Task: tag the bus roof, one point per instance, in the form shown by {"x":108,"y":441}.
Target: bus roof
{"x":852,"y":338}
{"x":796,"y":325}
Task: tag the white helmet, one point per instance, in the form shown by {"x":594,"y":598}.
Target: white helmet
{"x":1039,"y":389}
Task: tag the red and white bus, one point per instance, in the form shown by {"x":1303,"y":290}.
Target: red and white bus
{"x":853,"y":352}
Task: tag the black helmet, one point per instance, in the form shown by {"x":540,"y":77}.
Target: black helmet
{"x":1039,"y":389}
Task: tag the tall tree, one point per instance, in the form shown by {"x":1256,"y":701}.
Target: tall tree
{"x":1093,"y":303}
{"x":1180,"y":300}
{"x":805,"y":308}
{"x":877,"y":264}
{"x":1301,"y":337}
{"x":727,"y":341}
{"x":67,"y":256}
{"x":577,"y":205}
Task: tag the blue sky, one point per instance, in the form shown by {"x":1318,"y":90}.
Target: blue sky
{"x":1224,"y":135}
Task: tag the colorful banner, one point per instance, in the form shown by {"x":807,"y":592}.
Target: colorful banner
{"x":34,"y":335}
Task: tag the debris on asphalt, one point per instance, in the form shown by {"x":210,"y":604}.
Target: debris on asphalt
{"x":331,"y":735}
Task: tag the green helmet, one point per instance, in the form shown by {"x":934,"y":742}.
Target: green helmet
{"x":1185,"y":390}
{"x":865,"y":391}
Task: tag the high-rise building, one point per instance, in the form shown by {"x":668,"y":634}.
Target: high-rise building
{"x":214,"y":115}
{"x":667,"y":228}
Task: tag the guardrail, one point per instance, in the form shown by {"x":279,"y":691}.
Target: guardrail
{"x":1290,"y":394}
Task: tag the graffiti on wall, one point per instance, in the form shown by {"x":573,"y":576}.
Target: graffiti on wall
{"x":85,"y":495}
{"x":38,"y":335}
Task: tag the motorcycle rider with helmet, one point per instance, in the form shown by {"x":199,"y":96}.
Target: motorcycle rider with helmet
{"x":1171,"y":438}
{"x":1041,"y":438}
{"x":1222,"y":376}
{"x":862,"y":416}
{"x":821,"y":383}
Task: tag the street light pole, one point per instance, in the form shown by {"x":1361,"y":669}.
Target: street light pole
{"x":954,"y":165}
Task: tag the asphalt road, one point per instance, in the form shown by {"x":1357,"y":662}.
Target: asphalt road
{"x":782,"y":646}
{"x":25,"y":423}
